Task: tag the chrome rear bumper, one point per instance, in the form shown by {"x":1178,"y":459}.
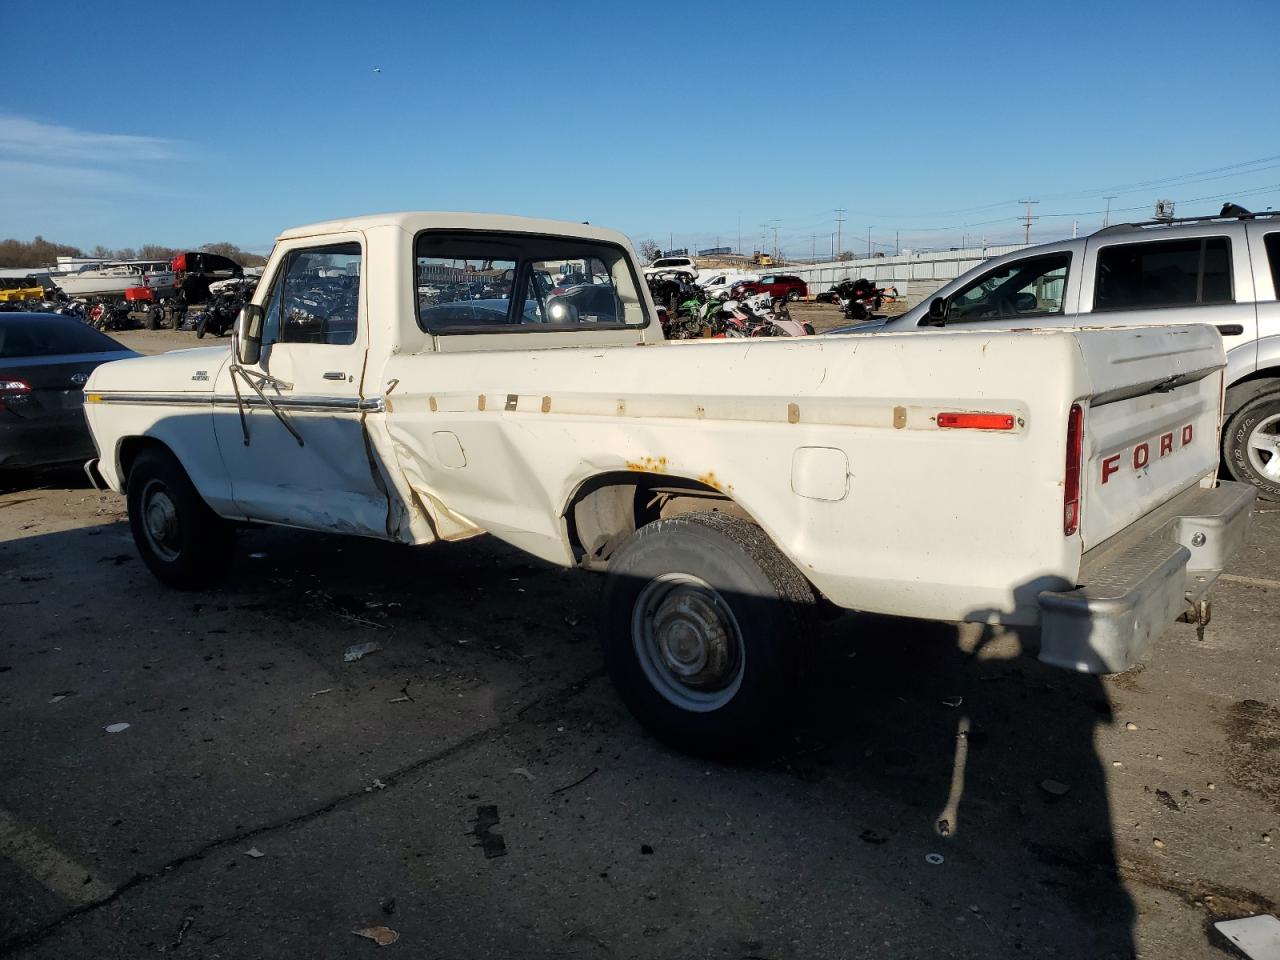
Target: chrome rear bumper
{"x":1141,"y":580}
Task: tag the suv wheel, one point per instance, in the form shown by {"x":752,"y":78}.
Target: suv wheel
{"x":793,"y":296}
{"x":704,"y":620}
{"x":1251,"y":444}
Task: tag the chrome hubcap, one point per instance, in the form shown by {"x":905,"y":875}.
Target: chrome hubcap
{"x":1264,"y":447}
{"x":687,"y":642}
{"x":160,"y":521}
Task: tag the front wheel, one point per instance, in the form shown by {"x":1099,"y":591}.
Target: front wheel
{"x":793,"y":296}
{"x":1251,"y":444}
{"x":704,"y":618}
{"x":202,"y":327}
{"x":182,"y":541}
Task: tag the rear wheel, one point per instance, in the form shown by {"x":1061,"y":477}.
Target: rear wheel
{"x":202,"y":326}
{"x":1251,"y":444}
{"x":182,"y":541}
{"x":704,"y":621}
{"x":793,"y":296}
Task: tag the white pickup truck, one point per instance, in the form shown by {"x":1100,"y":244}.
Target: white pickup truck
{"x":415,"y":377}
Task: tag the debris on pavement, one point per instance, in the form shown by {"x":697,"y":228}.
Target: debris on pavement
{"x":934,"y":858}
{"x":580,"y":780}
{"x":952,"y":701}
{"x":1054,"y":787}
{"x":255,"y":853}
{"x":62,"y":695}
{"x":116,"y":727}
{"x":358,"y":650}
{"x":646,"y":850}
{"x":187,"y":921}
{"x":521,"y":772}
{"x":1257,"y":937}
{"x":382,"y":936}
{"x":1131,"y":725}
{"x":871,"y":837}
{"x":1158,"y":843}
{"x":492,"y":843}
{"x":389,"y":906}
{"x":376,"y":785}
{"x":322,"y":692}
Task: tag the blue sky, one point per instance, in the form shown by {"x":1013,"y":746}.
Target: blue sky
{"x":181,"y":125}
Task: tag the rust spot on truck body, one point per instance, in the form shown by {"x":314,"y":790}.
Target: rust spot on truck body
{"x":709,"y":478}
{"x":431,"y":402}
{"x":648,"y":465}
{"x":546,"y":404}
{"x":793,"y":413}
{"x":480,"y":402}
{"x":899,"y":417}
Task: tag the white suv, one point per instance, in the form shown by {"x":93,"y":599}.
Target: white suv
{"x":1222,"y":270}
{"x":683,"y":265}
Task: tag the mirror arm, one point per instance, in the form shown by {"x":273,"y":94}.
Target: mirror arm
{"x":237,"y":370}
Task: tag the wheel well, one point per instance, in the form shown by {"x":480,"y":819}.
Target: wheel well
{"x":1251,"y":387}
{"x":610,"y":507}
{"x":127,"y":452}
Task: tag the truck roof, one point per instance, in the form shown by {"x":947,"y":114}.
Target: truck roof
{"x":414,"y":221}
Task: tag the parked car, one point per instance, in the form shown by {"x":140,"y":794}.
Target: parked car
{"x":779,"y":286}
{"x":45,"y":359}
{"x":1220,"y":270}
{"x":722,"y":486}
{"x":681,"y":265}
{"x":724,"y":281}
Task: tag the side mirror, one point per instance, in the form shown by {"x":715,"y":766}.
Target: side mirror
{"x":937,"y":312}
{"x":1025,"y":302}
{"x":248,"y":339}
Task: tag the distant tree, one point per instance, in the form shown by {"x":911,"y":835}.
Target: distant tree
{"x":154,"y":251}
{"x":231,"y":251}
{"x":101,"y":252}
{"x":846,"y":255}
{"x":39,"y":252}
{"x":649,"y":251}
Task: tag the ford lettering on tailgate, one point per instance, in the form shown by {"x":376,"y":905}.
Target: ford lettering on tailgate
{"x":1140,"y":456}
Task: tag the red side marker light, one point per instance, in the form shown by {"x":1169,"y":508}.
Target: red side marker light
{"x":1071,"y":479}
{"x":976,"y":421}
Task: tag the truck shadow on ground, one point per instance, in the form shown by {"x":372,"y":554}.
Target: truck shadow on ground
{"x":917,"y":739}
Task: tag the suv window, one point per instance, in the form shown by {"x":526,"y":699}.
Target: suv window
{"x":1272,"y":241}
{"x":485,"y":283}
{"x":1163,"y":273}
{"x":315,"y":297}
{"x":1034,"y":287}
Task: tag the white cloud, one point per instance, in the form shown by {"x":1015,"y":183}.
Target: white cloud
{"x":25,"y":139}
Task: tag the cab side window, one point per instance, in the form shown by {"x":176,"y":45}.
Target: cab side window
{"x":315,"y":297}
{"x":1034,"y":287}
{"x":1163,"y":273}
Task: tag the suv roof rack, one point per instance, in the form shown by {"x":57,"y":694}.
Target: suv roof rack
{"x":1171,"y":221}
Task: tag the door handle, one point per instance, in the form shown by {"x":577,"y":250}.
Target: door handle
{"x":1231,"y":329}
{"x":335,"y":375}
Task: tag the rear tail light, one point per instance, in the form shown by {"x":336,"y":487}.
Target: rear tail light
{"x":976,"y":421}
{"x":1071,"y":479}
{"x":13,"y":390}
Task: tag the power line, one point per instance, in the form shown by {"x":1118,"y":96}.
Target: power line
{"x":1027,"y":218}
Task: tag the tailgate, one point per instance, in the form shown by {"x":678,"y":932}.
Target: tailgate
{"x":1151,"y":429}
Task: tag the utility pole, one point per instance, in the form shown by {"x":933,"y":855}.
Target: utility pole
{"x":868,"y":243}
{"x":1075,"y":227}
{"x":739,"y":233}
{"x":1027,"y":218}
{"x":839,"y":232}
{"x":1106,"y":217}
{"x":813,"y":252}
{"x":897,"y":247}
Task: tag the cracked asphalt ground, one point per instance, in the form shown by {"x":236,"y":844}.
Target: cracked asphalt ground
{"x":360,"y":784}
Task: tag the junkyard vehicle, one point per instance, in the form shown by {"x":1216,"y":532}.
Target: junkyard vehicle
{"x":673,"y":265}
{"x":20,"y":289}
{"x":195,"y":270}
{"x":779,"y":286}
{"x":719,"y":284}
{"x":45,"y":360}
{"x":1223,"y":271}
{"x":722,"y":487}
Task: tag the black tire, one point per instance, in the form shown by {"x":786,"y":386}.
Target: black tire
{"x":671,"y":572}
{"x":793,"y":296}
{"x":185,"y":544}
{"x":1235,"y":444}
{"x":808,"y":328}
{"x":153,"y":319}
{"x":202,"y":325}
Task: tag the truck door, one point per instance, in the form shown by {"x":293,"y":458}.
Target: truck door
{"x":302,"y":459}
{"x":1264,"y":250}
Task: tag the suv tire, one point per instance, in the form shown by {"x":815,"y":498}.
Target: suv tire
{"x":1251,"y":444}
{"x":704,"y":621}
{"x":182,"y":541}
